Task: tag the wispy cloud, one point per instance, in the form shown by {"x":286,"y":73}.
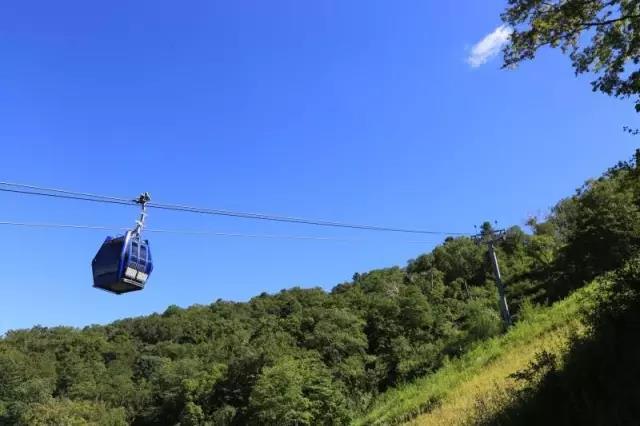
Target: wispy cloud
{"x":489,"y":46}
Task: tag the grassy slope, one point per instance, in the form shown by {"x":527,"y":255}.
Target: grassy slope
{"x":476,"y":381}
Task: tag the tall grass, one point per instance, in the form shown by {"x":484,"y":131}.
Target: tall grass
{"x":452,"y":391}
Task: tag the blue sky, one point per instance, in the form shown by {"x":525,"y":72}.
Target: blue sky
{"x":367,"y":112}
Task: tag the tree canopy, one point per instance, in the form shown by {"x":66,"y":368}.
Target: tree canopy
{"x":600,"y":36}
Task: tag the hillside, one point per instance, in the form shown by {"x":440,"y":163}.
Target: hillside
{"x":573,"y":363}
{"x":476,"y":383}
{"x":381,"y":348}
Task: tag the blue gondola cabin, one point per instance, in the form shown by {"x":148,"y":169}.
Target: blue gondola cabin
{"x":122,"y":264}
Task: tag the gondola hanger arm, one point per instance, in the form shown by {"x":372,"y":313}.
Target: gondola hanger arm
{"x":142,"y":200}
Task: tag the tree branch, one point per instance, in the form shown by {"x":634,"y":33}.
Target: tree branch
{"x":609,"y":21}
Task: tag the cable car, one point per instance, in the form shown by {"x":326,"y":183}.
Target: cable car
{"x":123,"y":264}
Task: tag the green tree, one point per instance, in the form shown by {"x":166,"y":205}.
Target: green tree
{"x":297,"y":392}
{"x":72,"y":413}
{"x":278,"y":397}
{"x":481,"y":321}
{"x":599,"y":227}
{"x":600,"y":36}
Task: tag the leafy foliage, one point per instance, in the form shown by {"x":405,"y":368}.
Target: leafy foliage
{"x":448,"y":396}
{"x":612,"y":28}
{"x":608,"y":394}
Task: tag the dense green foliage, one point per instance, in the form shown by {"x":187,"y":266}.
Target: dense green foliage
{"x":591,"y":234}
{"x":306,"y":356}
{"x":601,"y":36}
{"x":602,"y":234}
{"x":597,"y":381}
{"x":303,"y":356}
{"x":436,"y":390}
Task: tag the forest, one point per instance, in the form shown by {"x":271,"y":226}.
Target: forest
{"x":307,"y":356}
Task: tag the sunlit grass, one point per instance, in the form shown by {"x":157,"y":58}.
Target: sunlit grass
{"x":485,"y":391}
{"x":478,"y":378}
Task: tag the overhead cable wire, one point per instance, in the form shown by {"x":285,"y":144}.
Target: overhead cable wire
{"x":289,"y":219}
{"x":191,"y":232}
{"x":64,"y":191}
{"x":59,"y":193}
{"x":68,"y":197}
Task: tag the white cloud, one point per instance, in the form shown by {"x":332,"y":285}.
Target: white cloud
{"x":489,"y":46}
